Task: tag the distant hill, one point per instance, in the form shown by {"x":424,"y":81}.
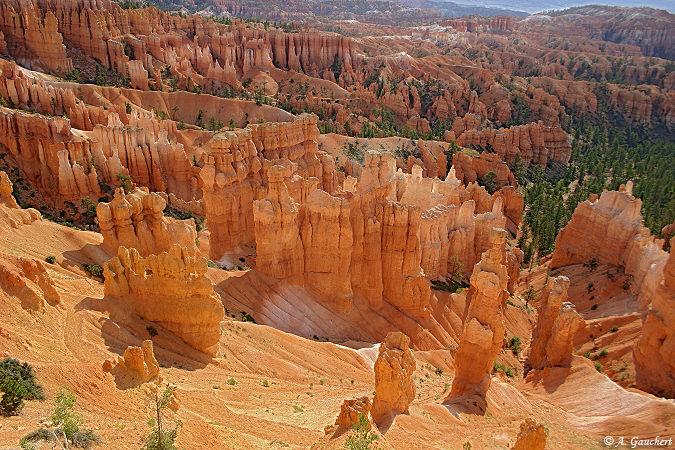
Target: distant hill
{"x":374,"y":11}
{"x":545,"y":5}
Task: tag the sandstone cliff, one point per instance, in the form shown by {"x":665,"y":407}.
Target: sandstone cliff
{"x":610,"y":230}
{"x":171,"y":289}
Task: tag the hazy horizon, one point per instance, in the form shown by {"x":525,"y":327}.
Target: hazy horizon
{"x":524,"y":5}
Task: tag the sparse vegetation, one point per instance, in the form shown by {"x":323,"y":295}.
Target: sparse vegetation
{"x":65,"y":429}
{"x":160,"y":399}
{"x":362,"y":438}
{"x":51,"y":259}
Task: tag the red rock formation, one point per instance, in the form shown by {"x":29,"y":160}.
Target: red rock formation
{"x":351,"y":410}
{"x":534,"y":142}
{"x":11,"y":212}
{"x":135,"y":220}
{"x":137,"y":363}
{"x":394,"y":386}
{"x":514,"y":258}
{"x":34,"y":38}
{"x":468,"y":169}
{"x":233,"y":175}
{"x":557,"y":323}
{"x":27,"y":280}
{"x":532,"y":436}
{"x":610,"y":230}
{"x":483,"y":334}
{"x":171,"y":289}
{"x":655,"y":351}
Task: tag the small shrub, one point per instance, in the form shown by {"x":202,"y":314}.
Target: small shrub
{"x":362,"y":437}
{"x":514,"y":345}
{"x":439,"y":371}
{"x":246,"y":317}
{"x":598,"y":367}
{"x":614,"y":329}
{"x":231,"y":382}
{"x":594,"y":307}
{"x":160,"y":439}
{"x":265,"y":383}
{"x":94,"y":270}
{"x":587,"y":355}
{"x":466,"y":445}
{"x":51,"y":259}
{"x":152,"y":331}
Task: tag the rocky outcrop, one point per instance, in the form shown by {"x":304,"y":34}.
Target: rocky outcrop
{"x":135,"y":220}
{"x":610,"y":230}
{"x":171,"y":289}
{"x":532,"y":436}
{"x":351,"y":410}
{"x":28,"y":280}
{"x":235,"y":174}
{"x":34,"y":38}
{"x":468,"y":169}
{"x":137,"y":363}
{"x":654,"y":353}
{"x":11,"y":212}
{"x":534,"y":142}
{"x":394,"y":386}
{"x":6,"y":189}
{"x":484,"y":330}
{"x":557,"y":323}
{"x":514,"y":258}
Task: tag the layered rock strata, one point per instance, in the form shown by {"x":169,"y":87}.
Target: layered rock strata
{"x":610,"y":230}
{"x":171,"y":289}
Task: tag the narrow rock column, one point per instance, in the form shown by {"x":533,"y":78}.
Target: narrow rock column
{"x":394,"y":386}
{"x":483,"y":334}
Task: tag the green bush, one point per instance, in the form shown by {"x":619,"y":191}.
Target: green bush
{"x":51,"y":259}
{"x":514,"y":345}
{"x":94,"y":270}
{"x":14,"y":392}
{"x":23,"y":373}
